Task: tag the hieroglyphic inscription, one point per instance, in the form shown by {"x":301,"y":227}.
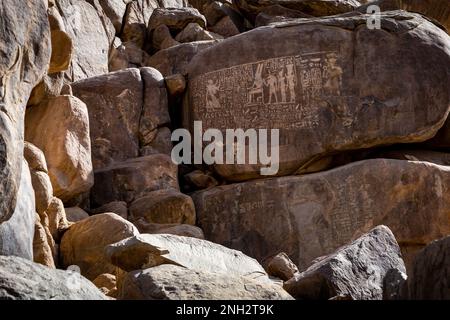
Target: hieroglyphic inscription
{"x":275,"y":93}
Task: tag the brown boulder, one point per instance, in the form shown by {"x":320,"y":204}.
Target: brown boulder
{"x":281,"y":267}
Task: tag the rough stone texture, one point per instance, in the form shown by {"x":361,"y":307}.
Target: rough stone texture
{"x":176,"y":19}
{"x":194,"y":32}
{"x":90,"y":39}
{"x":343,"y":110}
{"x":115,"y":11}
{"x":435,"y":9}
{"x":429,"y":278}
{"x":161,"y":143}
{"x":176,"y":59}
{"x":132,"y":179}
{"x":114,"y":102}
{"x":277,"y":13}
{"x":60,"y":128}
{"x":24,"y":280}
{"x":393,"y":284}
{"x":281,"y":267}
{"x":35,"y":157}
{"x":176,"y":84}
{"x":25,"y":51}
{"x":201,"y":180}
{"x":106,"y":282}
{"x":62,"y":50}
{"x":317,"y":8}
{"x":356,"y":270}
{"x":75,"y":214}
{"x":148,"y":250}
{"x":168,"y":282}
{"x":84,"y":243}
{"x":50,"y":86}
{"x":42,"y":252}
{"x":16,"y":234}
{"x":135,"y":21}
{"x":155,"y":111}
{"x":118,"y":207}
{"x":313,"y":215}
{"x":185,"y":230}
{"x":43,"y":190}
{"x":57,"y":220}
{"x":162,"y":38}
{"x":225,"y":27}
{"x":164,"y":206}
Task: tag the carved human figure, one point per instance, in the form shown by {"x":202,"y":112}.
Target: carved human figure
{"x":282,"y":85}
{"x":290,"y":79}
{"x":271,"y":82}
{"x":256,"y":91}
{"x":333,"y":83}
{"x":212,"y":100}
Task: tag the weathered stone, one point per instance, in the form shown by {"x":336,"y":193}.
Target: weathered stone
{"x":201,"y":180}
{"x":155,"y":111}
{"x":16,"y":234}
{"x":25,"y":51}
{"x":62,"y":49}
{"x":43,"y":191}
{"x":194,"y":32}
{"x":118,"y":207}
{"x":24,"y":280}
{"x":115,"y":11}
{"x":60,"y":128}
{"x":164,"y":206}
{"x":90,"y":39}
{"x":42,"y":252}
{"x":176,"y":19}
{"x":84,"y":243}
{"x":312,"y":215}
{"x":185,"y":230}
{"x":135,"y":21}
{"x":281,"y":267}
{"x":175,"y":59}
{"x":50,"y":86}
{"x":57,"y":220}
{"x":132,"y":179}
{"x":436,"y":157}
{"x":225,"y":27}
{"x":435,"y":9}
{"x":148,"y":250}
{"x":115,"y":104}
{"x":317,"y":8}
{"x":345,"y":110}
{"x":162,"y":38}
{"x":277,"y":13}
{"x":168,"y":282}
{"x":75,"y":214}
{"x":35,"y":157}
{"x":393,"y":283}
{"x":429,"y":279}
{"x":161,"y":143}
{"x":176,"y":84}
{"x":356,"y":270}
{"x":106,"y":282}
{"x":107,"y":24}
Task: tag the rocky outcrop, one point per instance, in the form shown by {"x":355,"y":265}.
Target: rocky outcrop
{"x":343,"y":110}
{"x":24,"y":57}
{"x":313,"y":215}
{"x":169,"y":282}
{"x":356,"y":271}
{"x":24,"y":280}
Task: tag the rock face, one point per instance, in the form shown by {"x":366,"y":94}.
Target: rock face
{"x":25,"y":51}
{"x":312,"y":80}
{"x":169,"y":282}
{"x":65,"y":143}
{"x":89,"y":37}
{"x":313,"y":215}
{"x":435,"y":9}
{"x":132,"y":179}
{"x":16,"y":234}
{"x":24,"y":280}
{"x":146,"y":251}
{"x":356,"y":270}
{"x":429,"y":279}
{"x":316,"y":8}
{"x":282,"y":267}
{"x":84,"y":243}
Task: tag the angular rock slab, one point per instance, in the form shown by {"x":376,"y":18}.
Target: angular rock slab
{"x":25,"y":51}
{"x":326,"y":84}
{"x":356,"y":270}
{"x":311,"y":216}
{"x":147,"y":250}
{"x":430,"y":276}
{"x":169,"y":282}
{"x":24,"y":280}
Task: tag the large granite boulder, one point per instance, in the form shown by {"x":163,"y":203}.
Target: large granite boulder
{"x":356,"y":271}
{"x":169,"y":282}
{"x":326,"y":84}
{"x":25,"y":51}
{"x":24,"y":280}
{"x":312,"y":215}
